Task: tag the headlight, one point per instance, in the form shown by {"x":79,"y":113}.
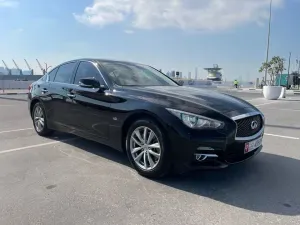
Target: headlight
{"x":196,"y":121}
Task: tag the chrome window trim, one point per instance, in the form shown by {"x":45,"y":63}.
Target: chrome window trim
{"x":95,"y":64}
{"x":58,"y":67}
{"x":242,"y":116}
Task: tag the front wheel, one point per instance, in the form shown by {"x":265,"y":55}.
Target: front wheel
{"x":147,"y":151}
{"x":40,"y":120}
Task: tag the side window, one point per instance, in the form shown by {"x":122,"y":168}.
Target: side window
{"x":44,"y":78}
{"x":87,"y":69}
{"x":65,"y":73}
{"x":52,"y":74}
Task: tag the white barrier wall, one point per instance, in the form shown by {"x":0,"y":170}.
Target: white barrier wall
{"x":195,"y":83}
{"x":17,"y":82}
{"x":11,"y":84}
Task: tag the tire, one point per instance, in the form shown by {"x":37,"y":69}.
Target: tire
{"x":162,"y":164}
{"x":39,"y":111}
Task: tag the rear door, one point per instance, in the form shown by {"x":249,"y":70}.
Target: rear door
{"x":89,"y":110}
{"x":45,"y":91}
{"x":60,"y":100}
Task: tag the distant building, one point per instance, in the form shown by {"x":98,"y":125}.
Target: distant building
{"x":173,"y":74}
{"x":27,"y":72}
{"x":15,"y":72}
{"x":3,"y":71}
{"x":214,"y":73}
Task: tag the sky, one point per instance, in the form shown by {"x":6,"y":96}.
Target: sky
{"x":167,"y":34}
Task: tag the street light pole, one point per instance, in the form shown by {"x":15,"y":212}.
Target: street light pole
{"x":47,"y":67}
{"x":268,"y":45}
{"x":288,"y":76}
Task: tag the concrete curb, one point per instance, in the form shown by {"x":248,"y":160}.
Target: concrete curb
{"x":297,"y":92}
{"x":252,"y":90}
{"x":13,"y":93}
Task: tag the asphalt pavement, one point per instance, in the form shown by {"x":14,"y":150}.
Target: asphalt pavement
{"x":68,"y":180}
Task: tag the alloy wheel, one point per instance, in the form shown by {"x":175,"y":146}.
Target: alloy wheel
{"x":39,"y":119}
{"x":145,"y":148}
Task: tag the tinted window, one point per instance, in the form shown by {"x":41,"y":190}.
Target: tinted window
{"x":127,"y":74}
{"x":86,"y":69}
{"x":65,"y":73}
{"x":52,"y":74}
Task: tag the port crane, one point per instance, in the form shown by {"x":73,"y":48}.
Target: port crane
{"x":42,"y":69}
{"x":21,"y":72}
{"x":6,"y":67}
{"x":29,"y":68}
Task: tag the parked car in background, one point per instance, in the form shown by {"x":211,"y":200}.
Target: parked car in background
{"x":134,"y":108}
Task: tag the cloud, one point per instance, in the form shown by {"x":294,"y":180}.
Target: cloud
{"x":182,"y":14}
{"x":104,"y":12}
{"x":9,"y":3}
{"x":129,"y":31}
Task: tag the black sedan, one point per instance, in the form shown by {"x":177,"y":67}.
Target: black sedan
{"x":135,"y":108}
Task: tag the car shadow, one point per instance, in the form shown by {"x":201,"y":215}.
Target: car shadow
{"x":93,"y":148}
{"x":268,"y":183}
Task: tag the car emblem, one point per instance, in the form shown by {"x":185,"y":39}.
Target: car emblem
{"x":254,"y":124}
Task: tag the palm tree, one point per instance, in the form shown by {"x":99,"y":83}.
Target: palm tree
{"x":274,"y":67}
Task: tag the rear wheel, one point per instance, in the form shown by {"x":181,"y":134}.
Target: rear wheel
{"x":40,"y":120}
{"x":146,"y":147}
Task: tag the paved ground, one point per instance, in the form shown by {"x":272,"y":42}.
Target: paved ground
{"x":74,"y":181}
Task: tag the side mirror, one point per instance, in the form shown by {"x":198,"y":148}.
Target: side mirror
{"x":89,"y":83}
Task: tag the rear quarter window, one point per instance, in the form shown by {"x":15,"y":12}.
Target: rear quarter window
{"x":65,"y":72}
{"x":51,"y":75}
{"x":44,"y":78}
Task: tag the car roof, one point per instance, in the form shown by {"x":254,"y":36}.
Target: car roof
{"x":95,"y":60}
{"x":108,"y":61}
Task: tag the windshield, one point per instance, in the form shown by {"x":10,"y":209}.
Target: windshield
{"x":127,"y":74}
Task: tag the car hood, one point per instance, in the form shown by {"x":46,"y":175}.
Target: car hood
{"x":199,"y":96}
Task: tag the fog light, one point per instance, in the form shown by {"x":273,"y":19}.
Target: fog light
{"x":202,"y":157}
{"x":205,"y":149}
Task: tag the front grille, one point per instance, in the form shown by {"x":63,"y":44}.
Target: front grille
{"x":244,"y":128}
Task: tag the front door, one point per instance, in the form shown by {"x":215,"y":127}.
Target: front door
{"x":89,"y":109}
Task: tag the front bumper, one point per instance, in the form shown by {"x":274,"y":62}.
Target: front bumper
{"x":212,"y":153}
{"x":29,"y":99}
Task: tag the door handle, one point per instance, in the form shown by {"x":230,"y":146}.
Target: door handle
{"x":70,"y":95}
{"x":44,"y":91}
